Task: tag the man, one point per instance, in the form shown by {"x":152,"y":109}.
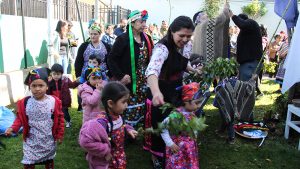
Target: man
{"x":163,"y":28}
{"x":122,"y":28}
{"x":109,"y":37}
{"x":249,"y":45}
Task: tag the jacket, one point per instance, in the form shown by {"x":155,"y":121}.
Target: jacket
{"x":61,"y":90}
{"x":94,"y":139}
{"x":22,"y":120}
{"x":90,"y":101}
{"x":119,"y":59}
{"x":249,"y":40}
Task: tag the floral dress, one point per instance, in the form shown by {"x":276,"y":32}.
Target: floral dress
{"x":118,"y":137}
{"x":136,"y":106}
{"x":40,"y":145}
{"x":99,"y":51}
{"x":187,"y":156}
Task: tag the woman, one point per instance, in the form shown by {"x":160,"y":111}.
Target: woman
{"x":92,"y":47}
{"x":61,"y":45}
{"x":164,"y":74}
{"x":127,"y":63}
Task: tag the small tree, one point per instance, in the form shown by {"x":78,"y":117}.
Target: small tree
{"x":255,"y":9}
{"x":212,"y":7}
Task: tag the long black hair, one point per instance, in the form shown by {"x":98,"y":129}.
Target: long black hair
{"x":112,"y":91}
{"x":179,"y":23}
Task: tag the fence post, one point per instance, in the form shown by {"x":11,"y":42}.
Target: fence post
{"x":118,"y":13}
{"x":67,"y":10}
{"x":1,"y":53}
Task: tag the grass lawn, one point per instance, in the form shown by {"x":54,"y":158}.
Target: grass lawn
{"x":215,"y":153}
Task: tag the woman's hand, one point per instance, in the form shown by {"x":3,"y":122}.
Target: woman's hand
{"x":158,"y":99}
{"x":126,"y":79}
{"x":174,"y":148}
{"x":133,"y":133}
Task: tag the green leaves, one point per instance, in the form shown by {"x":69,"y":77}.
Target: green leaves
{"x":269,"y":67}
{"x":255,"y":9}
{"x":220,"y":68}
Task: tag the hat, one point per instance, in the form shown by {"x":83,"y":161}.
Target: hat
{"x":189,"y":91}
{"x":92,"y":72}
{"x":135,"y":15}
{"x":40,"y":73}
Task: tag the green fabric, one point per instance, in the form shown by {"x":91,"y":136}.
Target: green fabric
{"x":132,"y":57}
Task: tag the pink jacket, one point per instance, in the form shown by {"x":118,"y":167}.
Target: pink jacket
{"x":94,"y":139}
{"x":90,"y":101}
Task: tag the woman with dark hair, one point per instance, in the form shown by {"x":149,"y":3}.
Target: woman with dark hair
{"x":164,"y":73}
{"x":61,"y":45}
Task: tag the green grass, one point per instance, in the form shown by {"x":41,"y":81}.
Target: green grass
{"x":215,"y":153}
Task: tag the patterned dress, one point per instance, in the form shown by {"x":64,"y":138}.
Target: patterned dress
{"x":40,"y":145}
{"x":187,"y":156}
{"x":100,"y":51}
{"x":136,"y":106}
{"x":118,"y":137}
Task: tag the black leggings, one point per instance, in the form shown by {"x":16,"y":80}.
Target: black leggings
{"x":49,"y":164}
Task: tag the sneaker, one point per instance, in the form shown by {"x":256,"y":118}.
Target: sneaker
{"x":68,"y":124}
{"x":231,"y":141}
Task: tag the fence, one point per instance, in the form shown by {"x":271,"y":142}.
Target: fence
{"x":64,"y":9}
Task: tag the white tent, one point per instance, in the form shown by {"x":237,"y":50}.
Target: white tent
{"x":292,"y":62}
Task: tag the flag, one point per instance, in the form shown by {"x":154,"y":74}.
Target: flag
{"x":292,"y":13}
{"x":291,"y":64}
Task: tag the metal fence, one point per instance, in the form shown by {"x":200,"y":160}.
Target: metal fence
{"x":64,"y":9}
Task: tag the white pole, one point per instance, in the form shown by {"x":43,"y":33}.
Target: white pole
{"x":96,"y":10}
{"x":50,"y":43}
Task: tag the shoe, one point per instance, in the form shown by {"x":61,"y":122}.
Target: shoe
{"x":220,"y":133}
{"x":68,"y":124}
{"x":231,"y":141}
{"x":157,"y":164}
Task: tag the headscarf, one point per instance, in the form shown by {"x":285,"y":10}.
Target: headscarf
{"x":96,"y":28}
{"x":40,"y":73}
{"x":133,"y":16}
{"x":189,"y":91}
{"x":92,"y":72}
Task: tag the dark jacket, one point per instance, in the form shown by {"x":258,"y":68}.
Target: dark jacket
{"x":79,"y":61}
{"x":249,"y":40}
{"x":119,"y":60}
{"x":61,"y":90}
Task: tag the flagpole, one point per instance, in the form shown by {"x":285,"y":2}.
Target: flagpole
{"x":264,"y":52}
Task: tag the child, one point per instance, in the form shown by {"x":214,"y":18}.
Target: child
{"x":59,"y":86}
{"x":95,"y":62}
{"x":181,"y":150}
{"x":90,"y":93}
{"x":42,"y":121}
{"x":95,"y":134}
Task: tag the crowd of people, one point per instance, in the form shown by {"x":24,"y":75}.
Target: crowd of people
{"x":124,"y":74}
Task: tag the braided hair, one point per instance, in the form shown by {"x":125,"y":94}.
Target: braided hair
{"x":112,"y":91}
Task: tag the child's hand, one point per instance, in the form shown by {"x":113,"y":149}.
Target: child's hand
{"x":133,"y":133}
{"x":99,"y":86}
{"x":174,"y":148}
{"x":78,"y":79}
{"x":59,"y":141}
{"x":9,"y":131}
{"x":108,"y":157}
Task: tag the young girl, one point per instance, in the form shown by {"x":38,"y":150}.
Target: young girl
{"x":42,"y":121}
{"x":181,"y":150}
{"x":59,"y":86}
{"x":90,"y":93}
{"x":103,"y":153}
